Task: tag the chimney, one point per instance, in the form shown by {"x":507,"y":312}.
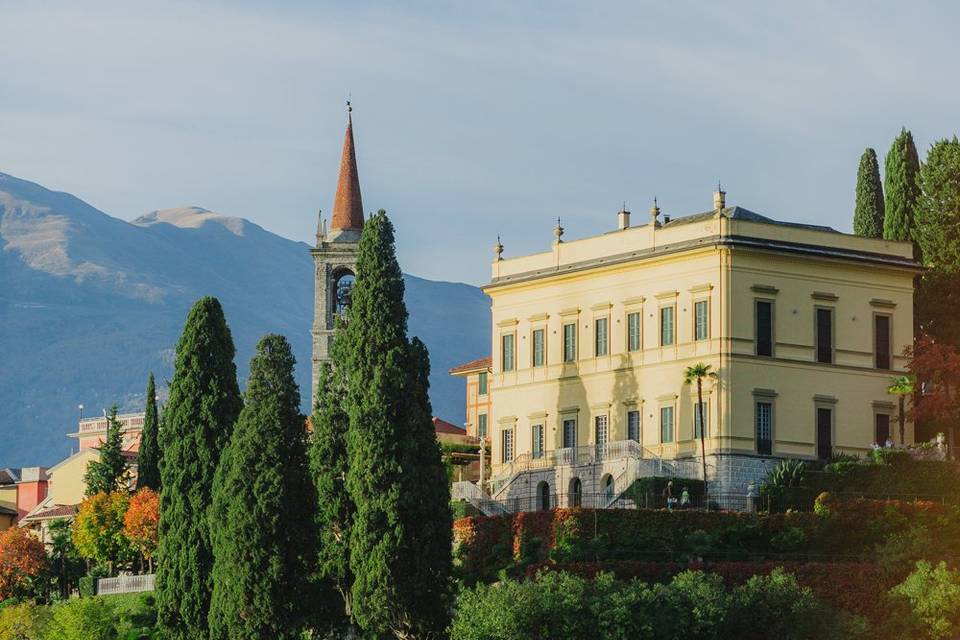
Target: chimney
{"x":666,"y":219}
{"x":623,"y":218}
{"x":719,"y":198}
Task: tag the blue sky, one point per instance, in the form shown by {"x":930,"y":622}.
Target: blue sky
{"x":471,"y":119}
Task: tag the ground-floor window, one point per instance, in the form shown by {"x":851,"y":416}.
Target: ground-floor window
{"x":537,"y":445}
{"x":633,"y":426}
{"x":569,"y":433}
{"x":507,"y":445}
{"x":666,"y":424}
{"x":543,"y":496}
{"x":824,"y":433}
{"x":881,"y":428}
{"x":575,"y":494}
{"x":764,"y":425}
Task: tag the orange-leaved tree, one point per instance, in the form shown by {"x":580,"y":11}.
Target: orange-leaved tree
{"x":140,"y":523}
{"x":98,"y":529}
{"x":23,"y":559}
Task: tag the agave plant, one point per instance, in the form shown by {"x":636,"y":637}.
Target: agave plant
{"x":789,"y":473}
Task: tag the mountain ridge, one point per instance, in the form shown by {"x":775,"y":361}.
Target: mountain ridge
{"x":89,"y":304}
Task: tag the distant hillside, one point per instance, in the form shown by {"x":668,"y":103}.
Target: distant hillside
{"x":89,"y":304}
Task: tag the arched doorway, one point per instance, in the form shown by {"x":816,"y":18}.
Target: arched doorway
{"x":543,"y":496}
{"x":607,"y":483}
{"x":575,"y":493}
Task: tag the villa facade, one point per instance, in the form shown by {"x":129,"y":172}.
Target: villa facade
{"x":804,"y":327}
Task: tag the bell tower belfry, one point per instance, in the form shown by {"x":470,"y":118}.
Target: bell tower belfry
{"x":335,"y":255}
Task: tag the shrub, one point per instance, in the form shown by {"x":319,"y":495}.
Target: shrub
{"x":82,"y":619}
{"x":821,"y":506}
{"x":23,"y":560}
{"x":25,"y":621}
{"x":934,"y":596}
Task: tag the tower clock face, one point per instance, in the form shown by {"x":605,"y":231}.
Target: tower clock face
{"x":343,"y":289}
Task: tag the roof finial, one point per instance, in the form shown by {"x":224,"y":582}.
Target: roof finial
{"x":655,"y":212}
{"x":321,"y":227}
{"x":558,"y":231}
{"x":719,"y":198}
{"x":498,"y":248}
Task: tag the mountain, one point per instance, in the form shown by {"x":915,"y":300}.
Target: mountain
{"x":90,"y":304}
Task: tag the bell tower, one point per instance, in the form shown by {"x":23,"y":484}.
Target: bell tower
{"x":335,"y":254}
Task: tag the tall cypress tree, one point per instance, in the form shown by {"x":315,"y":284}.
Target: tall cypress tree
{"x":901,"y":188}
{"x":109,"y":472}
{"x":148,"y":459}
{"x":938,"y":234}
{"x":328,"y":467}
{"x":197,"y":421}
{"x":426,"y":497}
{"x":261,"y":521}
{"x":868,"y":213}
{"x":383,"y":460}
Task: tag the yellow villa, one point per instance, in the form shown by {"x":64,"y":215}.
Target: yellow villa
{"x":803,"y":325}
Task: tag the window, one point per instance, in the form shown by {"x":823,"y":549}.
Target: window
{"x":824,"y":335}
{"x":507,"y":450}
{"x":569,"y":433}
{"x":666,"y":326}
{"x":537,"y":444}
{"x":882,"y":428}
{"x":764,"y":334}
{"x":824,"y":433}
{"x":633,"y":331}
{"x":600,"y":337}
{"x":482,"y":425}
{"x":600,"y":423}
{"x":569,"y":342}
{"x":881,"y":341}
{"x":507,"y":352}
{"x":633,"y":426}
{"x":482,"y":383}
{"x":701,"y":320}
{"x":701,"y":416}
{"x":765,"y":428}
{"x":666,"y":424}
{"x":538,"y":347}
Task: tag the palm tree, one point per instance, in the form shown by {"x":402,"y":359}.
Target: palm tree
{"x":698,"y":372}
{"x":901,"y":386}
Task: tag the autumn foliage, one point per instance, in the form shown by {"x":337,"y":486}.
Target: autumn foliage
{"x":936,"y":366}
{"x":141,"y":521}
{"x":98,"y":529}
{"x":22,"y":558}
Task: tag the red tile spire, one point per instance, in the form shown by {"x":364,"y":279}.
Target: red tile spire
{"x":348,"y":205}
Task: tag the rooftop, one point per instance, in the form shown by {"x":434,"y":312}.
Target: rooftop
{"x":442,"y":426}
{"x":480,"y":364}
{"x":662,"y":235}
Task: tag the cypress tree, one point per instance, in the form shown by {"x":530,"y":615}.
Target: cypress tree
{"x":868,"y":213}
{"x":148,"y":459}
{"x":383,"y":479}
{"x":109,"y":472}
{"x":426,"y":497}
{"x":938,"y":234}
{"x":261,"y":520}
{"x":901,"y":188}
{"x":197,"y":421}
{"x":328,"y":467}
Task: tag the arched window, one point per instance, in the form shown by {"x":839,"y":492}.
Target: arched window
{"x":543,"y":496}
{"x":343,"y":280}
{"x":575,"y":493}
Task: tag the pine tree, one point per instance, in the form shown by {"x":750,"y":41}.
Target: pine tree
{"x":109,"y":472}
{"x":938,"y":234}
{"x":148,"y":459}
{"x":328,"y":467}
{"x":197,"y":421}
{"x":261,"y":521}
{"x":868,"y":214}
{"x":386,"y":473}
{"x":901,"y":188}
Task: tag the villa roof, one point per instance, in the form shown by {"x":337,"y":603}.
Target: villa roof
{"x":442,"y":426}
{"x":9,"y":476}
{"x":480,"y":364}
{"x":56,"y":511}
{"x":739,"y":213}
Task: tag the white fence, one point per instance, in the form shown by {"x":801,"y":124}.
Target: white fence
{"x":125,"y":584}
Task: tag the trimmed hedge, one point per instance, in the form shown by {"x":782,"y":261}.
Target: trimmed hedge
{"x":853,"y":530}
{"x":856,"y":587}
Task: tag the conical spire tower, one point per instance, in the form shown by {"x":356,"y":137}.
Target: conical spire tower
{"x":348,"y":204}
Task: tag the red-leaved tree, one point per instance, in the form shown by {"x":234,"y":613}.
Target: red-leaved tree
{"x":140,"y":523}
{"x":936,"y":368}
{"x":22,"y":559}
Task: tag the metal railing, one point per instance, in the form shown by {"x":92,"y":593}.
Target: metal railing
{"x":646,"y":501}
{"x":126,"y":584}
{"x":474,"y":495}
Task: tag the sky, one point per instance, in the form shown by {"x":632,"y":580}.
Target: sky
{"x":472,"y":119}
